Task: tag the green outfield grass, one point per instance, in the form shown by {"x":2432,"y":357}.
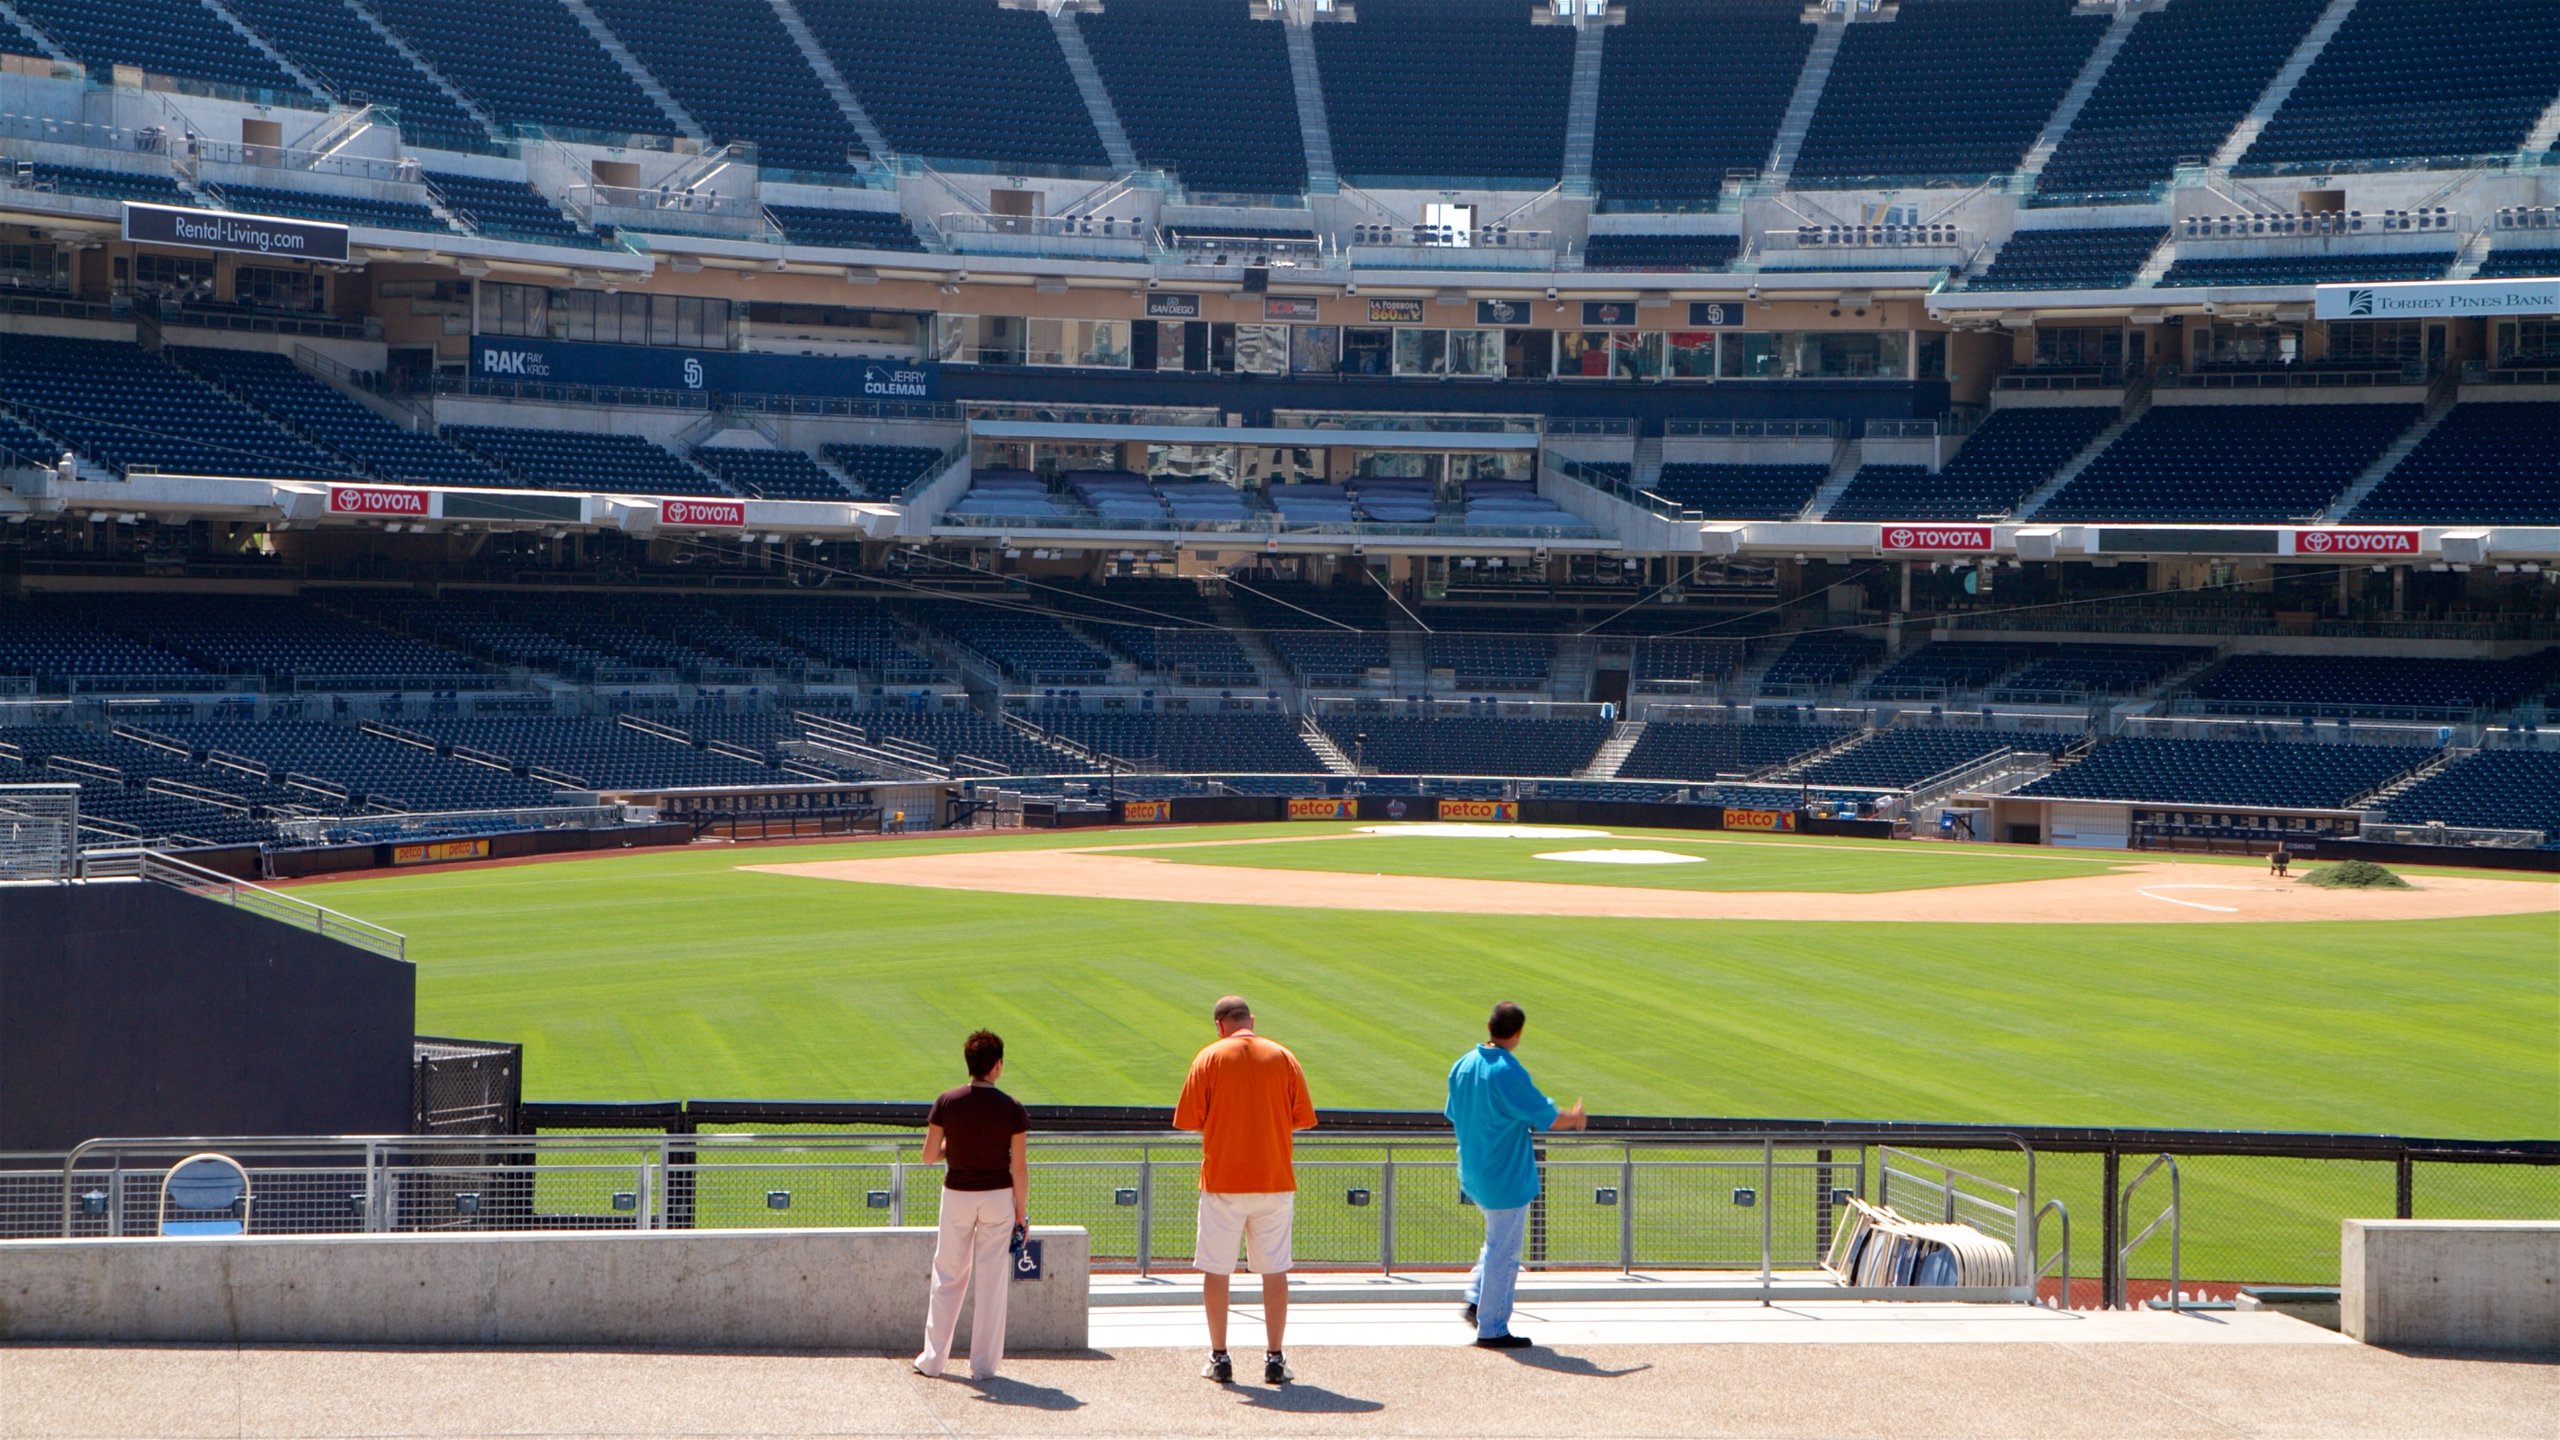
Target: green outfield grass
{"x":673,"y":974}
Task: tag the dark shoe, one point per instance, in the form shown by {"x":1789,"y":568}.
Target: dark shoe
{"x":1276,"y":1371}
{"x":1220,"y":1369}
{"x":1502,"y":1342}
{"x":1470,"y":1312}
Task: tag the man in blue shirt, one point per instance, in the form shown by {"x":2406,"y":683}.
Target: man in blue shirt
{"x":1494,"y":1106}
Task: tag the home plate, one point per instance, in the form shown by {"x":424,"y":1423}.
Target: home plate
{"x":1488,"y":832}
{"x":1621,"y":857}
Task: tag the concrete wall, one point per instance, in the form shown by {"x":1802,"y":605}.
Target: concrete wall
{"x":697,"y":1289}
{"x":2452,"y":1284}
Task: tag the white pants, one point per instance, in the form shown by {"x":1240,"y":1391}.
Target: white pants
{"x":976,"y":1227}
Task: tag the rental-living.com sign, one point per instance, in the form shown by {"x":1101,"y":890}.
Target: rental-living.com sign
{"x":239,"y":234}
{"x":2417,"y":299}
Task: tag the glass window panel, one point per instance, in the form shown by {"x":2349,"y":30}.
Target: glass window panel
{"x":1262,"y":349}
{"x":1583,"y":353}
{"x":1422,"y":352}
{"x":1635,"y":355}
{"x":1689,"y":354}
{"x":1748,"y":355}
{"x":1044,"y":342}
{"x":662,"y":319}
{"x":1315,"y":349}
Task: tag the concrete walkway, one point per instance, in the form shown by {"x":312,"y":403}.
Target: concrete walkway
{"x":1600,"y":1369}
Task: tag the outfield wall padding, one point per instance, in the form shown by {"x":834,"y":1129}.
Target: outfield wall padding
{"x":2473,"y":857}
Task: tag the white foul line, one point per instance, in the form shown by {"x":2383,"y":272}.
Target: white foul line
{"x":2153,"y":892}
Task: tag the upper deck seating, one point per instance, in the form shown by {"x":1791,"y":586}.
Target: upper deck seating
{"x":771,"y":474}
{"x":2483,"y":464}
{"x":693,"y":47}
{"x":2071,"y":258}
{"x":189,"y":41}
{"x":2511,"y":261}
{"x":150,"y":189}
{"x":2418,"y":79}
{"x":2012,"y":452}
{"x":1417,"y":89}
{"x":1468,"y":744}
{"x":1952,"y":89}
{"x":2234,"y":463}
{"x":1656,"y":140}
{"x":309,"y":405}
{"x":1683,"y":660}
{"x":960,"y":79}
{"x":1898,"y":759}
{"x":578,"y":460}
{"x":1227,"y":126}
{"x":881,"y":472}
{"x":1818,"y":660}
{"x":841,"y":630}
{"x":285,"y":639}
{"x":2080,"y":673}
{"x":2188,"y":271}
{"x":2371,"y":684}
{"x":1740,"y":492}
{"x":1252,"y":742}
{"x":844,"y":229}
{"x":1945,"y":668}
{"x":336,"y":208}
{"x":2287,"y":774}
{"x":53,"y":640}
{"x":355,"y":64}
{"x":123,"y":407}
{"x":507,"y":210}
{"x":1624,"y":250}
{"x":1491,"y":662}
{"x":1022,"y":644}
{"x":526,"y":64}
{"x":2185,"y":77}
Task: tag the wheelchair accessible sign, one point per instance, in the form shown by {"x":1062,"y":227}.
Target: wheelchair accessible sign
{"x":1027,"y":1261}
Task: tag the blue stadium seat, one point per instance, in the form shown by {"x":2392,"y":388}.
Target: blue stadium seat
{"x":2484,"y":464}
{"x":2071,"y":258}
{"x":507,"y":210}
{"x":1740,"y":492}
{"x":2012,"y":452}
{"x":357,"y":66}
{"x":1707,"y":750}
{"x":309,"y":406}
{"x":1228,"y":126}
{"x":2494,"y":789}
{"x":2440,"y":80}
{"x":844,"y":229}
{"x":2185,"y":77}
{"x":694,"y":47}
{"x":960,"y":79}
{"x":2287,"y":774}
{"x":2372,"y":684}
{"x":578,"y":460}
{"x":1426,"y":90}
{"x":181,"y":40}
{"x":772,"y":474}
{"x":1691,"y":90}
{"x":526,"y":64}
{"x":123,"y":407}
{"x":2331,"y":268}
{"x":1623,"y":250}
{"x":1255,"y":742}
{"x":2233,"y":463}
{"x":1467,"y":744}
{"x":1952,"y":89}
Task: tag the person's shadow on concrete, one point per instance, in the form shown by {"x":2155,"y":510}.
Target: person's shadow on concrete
{"x":1305,"y":1400}
{"x":1539,"y":1357}
{"x":1021,"y":1394}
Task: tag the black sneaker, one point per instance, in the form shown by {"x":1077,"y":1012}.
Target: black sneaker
{"x":1470,"y":1312}
{"x":1502,"y":1342}
{"x":1219,"y":1368}
{"x":1275,"y":1369}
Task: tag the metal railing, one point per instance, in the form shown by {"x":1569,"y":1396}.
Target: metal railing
{"x":212,"y":885}
{"x":2171,"y":1217}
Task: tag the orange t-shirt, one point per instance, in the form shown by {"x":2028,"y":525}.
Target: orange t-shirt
{"x":1245,"y":1095}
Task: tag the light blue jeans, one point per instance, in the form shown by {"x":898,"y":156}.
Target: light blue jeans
{"x":1497,"y":1274}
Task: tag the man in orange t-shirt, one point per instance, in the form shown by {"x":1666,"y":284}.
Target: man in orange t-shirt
{"x":1246,"y":1096}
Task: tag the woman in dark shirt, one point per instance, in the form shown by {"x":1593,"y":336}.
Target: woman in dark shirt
{"x":982,"y":1136}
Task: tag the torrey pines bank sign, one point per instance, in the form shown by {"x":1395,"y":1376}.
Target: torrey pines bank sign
{"x":2418,"y":299}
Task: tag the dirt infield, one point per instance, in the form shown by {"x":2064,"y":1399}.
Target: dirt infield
{"x":2145,"y":892}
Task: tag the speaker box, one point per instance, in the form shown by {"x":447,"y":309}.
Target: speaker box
{"x":1257,"y":278}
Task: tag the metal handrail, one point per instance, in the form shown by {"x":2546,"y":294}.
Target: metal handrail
{"x":2171,"y":1217}
{"x":320,"y":920}
{"x":2035,"y":1249}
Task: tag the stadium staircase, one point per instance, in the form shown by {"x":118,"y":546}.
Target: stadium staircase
{"x":1646,"y":472}
{"x":2093,"y":70}
{"x":1327,"y":753}
{"x":400,"y":47}
{"x":2135,"y":407}
{"x":1582,"y":111}
{"x":1612,"y":752}
{"x":1408,"y":654}
{"x":2544,"y":137}
{"x":830,"y":77}
{"x":1031,"y":730}
{"x":2440,"y":403}
{"x":2381,"y":796}
{"x":824,"y":738}
{"x":588,"y":20}
{"x":52,"y":50}
{"x":2473,"y":254}
{"x":1847,"y":457}
{"x":1798,"y":120}
{"x":1308,"y":84}
{"x":1097,"y":101}
{"x":1570,"y":669}
{"x":2280,"y":89}
{"x":1269,"y":670}
{"x":258,"y":42}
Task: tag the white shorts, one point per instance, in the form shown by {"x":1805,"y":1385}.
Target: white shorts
{"x":1261,"y":1221}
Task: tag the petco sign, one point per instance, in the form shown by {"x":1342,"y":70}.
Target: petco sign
{"x":2351,"y":542}
{"x":347,"y":500}
{"x":1938,"y":538}
{"x":724,"y":513}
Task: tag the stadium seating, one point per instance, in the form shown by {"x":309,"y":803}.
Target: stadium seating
{"x":1427,"y":89}
{"x":139,"y":762}
{"x":2013,"y":451}
{"x":14,"y":39}
{"x":576,"y":460}
{"x":54,"y":639}
{"x":1683,"y":660}
{"x":2289,"y":774}
{"x":356,"y":65}
{"x":2071,"y":258}
{"x":2509,"y":261}
{"x":1692,"y":89}
{"x":475,"y":626}
{"x":1706,"y":750}
{"x":1467,"y":744}
{"x":1491,"y":662}
{"x":182,"y":40}
{"x":2418,"y":79}
{"x":960,"y":79}
{"x":1818,"y":660}
{"x":1254,"y":742}
{"x":840,"y":630}
{"x":1231,"y":125}
{"x":1740,"y":492}
{"x":121,"y":810}
{"x":2185,"y":77}
{"x":972,"y":741}
{"x":2371,"y":684}
{"x":122,"y":407}
{"x":150,"y":189}
{"x":2239,"y":463}
{"x":20,"y":445}
{"x":1899,"y":759}
{"x":693,"y":47}
{"x":2483,"y":464}
{"x":598,"y":753}
{"x":507,"y":210}
{"x":307,"y":405}
{"x":771,"y":474}
{"x":340,"y":208}
{"x":1952,"y":89}
{"x":844,"y":229}
{"x":2494,"y":789}
{"x":881,"y":472}
{"x":2078,"y":674}
{"x":376,"y":772}
{"x":526,"y":64}
{"x":1947,"y":668}
{"x":1621,"y":250}
{"x":284,"y":639}
{"x":1022,"y":645}
{"x":2335,"y":267}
